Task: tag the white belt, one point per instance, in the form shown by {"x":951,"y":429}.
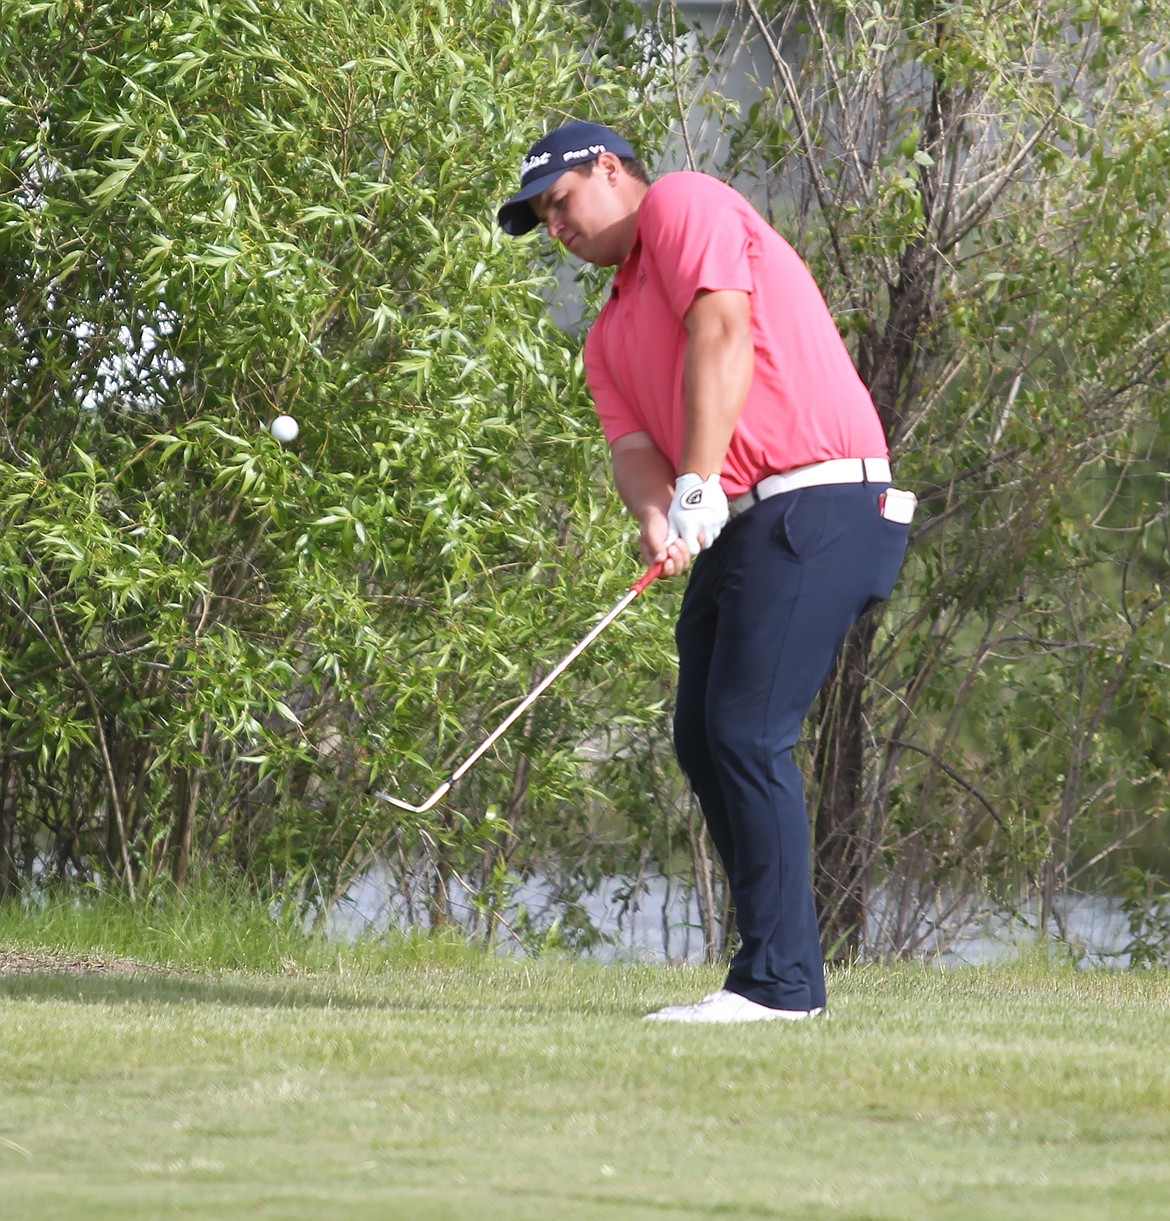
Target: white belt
{"x":836,"y":470}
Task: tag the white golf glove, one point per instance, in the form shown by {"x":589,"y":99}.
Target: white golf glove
{"x":699,"y":506}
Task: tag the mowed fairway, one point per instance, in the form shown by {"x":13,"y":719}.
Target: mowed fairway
{"x":502,"y":1089}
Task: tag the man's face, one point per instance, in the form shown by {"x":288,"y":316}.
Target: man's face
{"x":588,"y":212}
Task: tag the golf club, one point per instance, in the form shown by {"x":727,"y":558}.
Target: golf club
{"x":649,"y":577}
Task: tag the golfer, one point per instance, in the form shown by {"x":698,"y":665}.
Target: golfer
{"x":750,"y":451}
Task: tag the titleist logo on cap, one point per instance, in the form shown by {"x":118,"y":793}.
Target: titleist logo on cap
{"x":533,"y":163}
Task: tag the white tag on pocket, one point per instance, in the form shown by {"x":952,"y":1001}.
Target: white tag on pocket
{"x":898,"y":506}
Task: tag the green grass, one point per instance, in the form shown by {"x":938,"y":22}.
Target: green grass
{"x":263,"y":1074}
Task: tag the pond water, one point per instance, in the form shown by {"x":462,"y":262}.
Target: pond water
{"x":656,"y":920}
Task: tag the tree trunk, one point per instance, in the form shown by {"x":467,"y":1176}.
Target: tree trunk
{"x":187,"y":800}
{"x":709,"y":887}
{"x":8,"y":883}
{"x":842,"y":852}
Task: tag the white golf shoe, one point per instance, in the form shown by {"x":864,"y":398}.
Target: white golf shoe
{"x":726,"y":1007}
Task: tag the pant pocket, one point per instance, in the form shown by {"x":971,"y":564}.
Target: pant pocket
{"x":890,"y":552}
{"x":800,"y":527}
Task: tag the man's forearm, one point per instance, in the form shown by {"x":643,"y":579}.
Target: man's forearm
{"x":643,"y":477}
{"x":645,"y":481}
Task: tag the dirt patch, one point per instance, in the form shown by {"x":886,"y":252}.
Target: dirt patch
{"x":32,"y":962}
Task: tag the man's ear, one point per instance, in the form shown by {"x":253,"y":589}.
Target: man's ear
{"x":610,"y":165}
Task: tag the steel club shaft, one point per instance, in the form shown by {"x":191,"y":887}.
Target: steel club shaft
{"x":639,"y":587}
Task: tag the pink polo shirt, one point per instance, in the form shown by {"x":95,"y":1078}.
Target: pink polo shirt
{"x":806,"y":402}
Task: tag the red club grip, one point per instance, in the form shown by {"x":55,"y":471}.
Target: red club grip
{"x":649,"y":577}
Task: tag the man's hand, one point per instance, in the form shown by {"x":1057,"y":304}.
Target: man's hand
{"x":698,"y":511}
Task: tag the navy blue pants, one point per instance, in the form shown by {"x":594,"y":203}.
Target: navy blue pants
{"x":764,"y":616}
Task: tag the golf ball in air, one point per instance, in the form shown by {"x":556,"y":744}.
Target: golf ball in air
{"x":284,"y":428}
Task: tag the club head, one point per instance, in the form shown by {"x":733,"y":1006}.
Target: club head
{"x":432,"y":801}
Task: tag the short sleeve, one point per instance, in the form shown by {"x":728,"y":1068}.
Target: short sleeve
{"x":699,"y":237}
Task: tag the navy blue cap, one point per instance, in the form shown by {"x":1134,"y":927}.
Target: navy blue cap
{"x":549,"y":158}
